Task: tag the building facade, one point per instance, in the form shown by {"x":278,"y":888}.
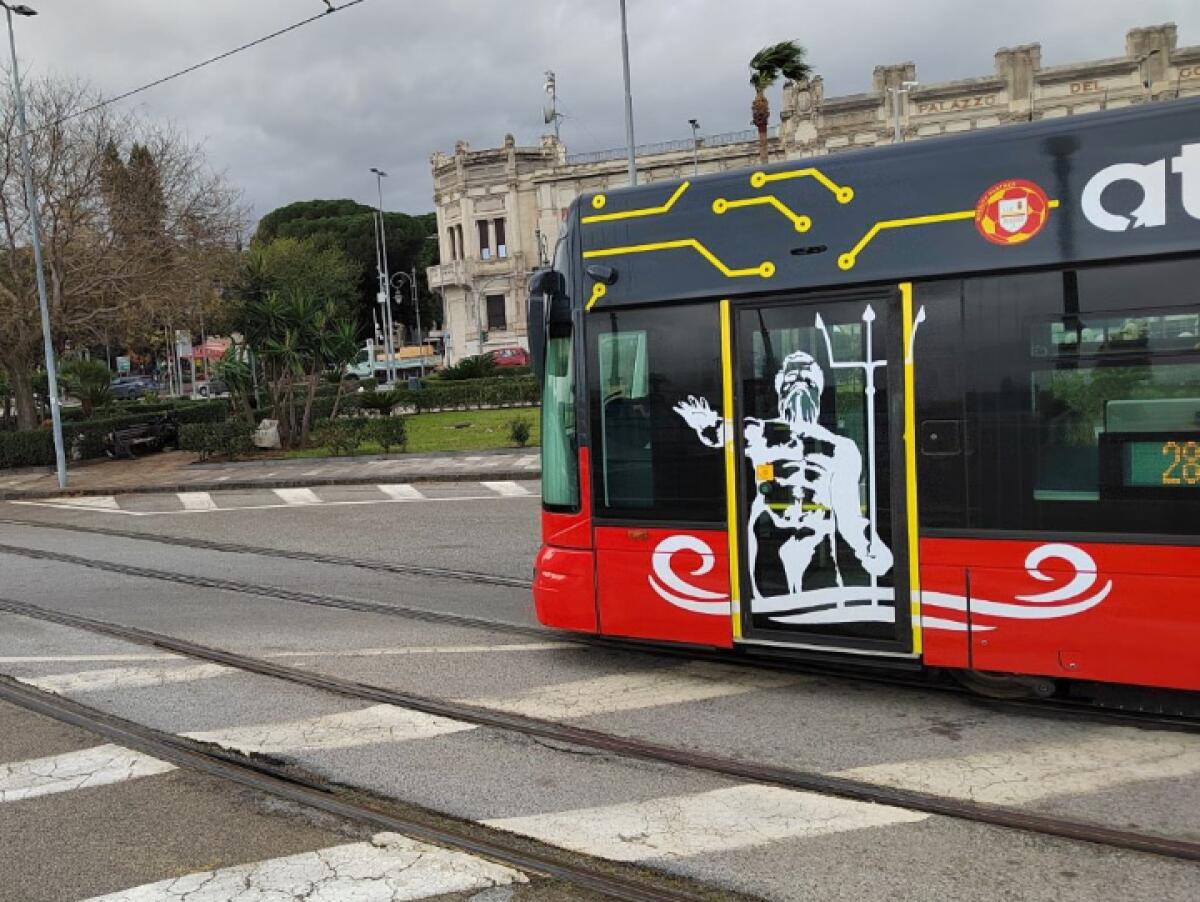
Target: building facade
{"x":499,"y":210}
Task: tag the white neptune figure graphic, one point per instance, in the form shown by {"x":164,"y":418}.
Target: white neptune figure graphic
{"x":807,"y":480}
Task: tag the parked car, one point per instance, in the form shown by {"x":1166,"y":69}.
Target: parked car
{"x":130,"y":388}
{"x":213,"y":388}
{"x":510,"y":357}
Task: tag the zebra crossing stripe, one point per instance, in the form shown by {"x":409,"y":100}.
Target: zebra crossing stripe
{"x":390,"y":866}
{"x":95,"y":502}
{"x":508,"y":489}
{"x":345,"y":730}
{"x":297,"y":497}
{"x":402,"y":492}
{"x":1020,"y":776}
{"x":196,"y":501}
{"x":637,"y":689}
{"x":124,"y":677}
{"x":703,"y":823}
{"x":98,"y":766}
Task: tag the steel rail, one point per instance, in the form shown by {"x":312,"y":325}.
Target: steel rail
{"x":807,"y":781}
{"x":1038,"y":708}
{"x":285,"y":783}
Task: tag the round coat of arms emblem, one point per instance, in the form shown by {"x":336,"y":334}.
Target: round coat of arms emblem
{"x":1012,"y":211}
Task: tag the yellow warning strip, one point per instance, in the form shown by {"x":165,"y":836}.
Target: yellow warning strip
{"x":600,"y":200}
{"x":910,"y":470}
{"x":765,"y":269}
{"x":735,"y":593}
{"x":799,"y":221}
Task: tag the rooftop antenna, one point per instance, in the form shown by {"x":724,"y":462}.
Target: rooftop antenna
{"x":550,"y":113}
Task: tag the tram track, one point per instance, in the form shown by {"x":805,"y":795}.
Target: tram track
{"x":1050,"y":707}
{"x":627,"y":747}
{"x":613,"y":880}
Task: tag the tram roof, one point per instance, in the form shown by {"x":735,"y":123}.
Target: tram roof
{"x":1010,"y":197}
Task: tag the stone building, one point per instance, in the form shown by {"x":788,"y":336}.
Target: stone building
{"x":499,"y":209}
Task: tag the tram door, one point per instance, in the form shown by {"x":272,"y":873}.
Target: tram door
{"x":820,"y":482}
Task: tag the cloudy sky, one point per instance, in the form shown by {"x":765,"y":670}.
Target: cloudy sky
{"x":387,"y":82}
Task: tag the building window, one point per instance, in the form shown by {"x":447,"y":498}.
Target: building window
{"x":501,"y":243}
{"x":485,"y":240}
{"x":460,"y":247}
{"x":495,"y":313}
{"x":452,"y":250}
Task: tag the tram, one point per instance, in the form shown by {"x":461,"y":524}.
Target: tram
{"x":934,"y":405}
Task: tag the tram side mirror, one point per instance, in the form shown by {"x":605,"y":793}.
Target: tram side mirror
{"x":547,"y":303}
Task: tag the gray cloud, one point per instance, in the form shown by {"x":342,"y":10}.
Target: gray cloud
{"x":388,"y":82}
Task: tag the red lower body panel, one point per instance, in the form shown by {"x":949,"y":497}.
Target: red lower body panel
{"x":564,"y":590}
{"x":1112,"y":613}
{"x":668,"y":584}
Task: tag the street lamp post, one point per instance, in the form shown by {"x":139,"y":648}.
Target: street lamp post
{"x":695,"y":124}
{"x":398,"y":279}
{"x":628,"y":97}
{"x":35,"y":229}
{"x":389,"y":340}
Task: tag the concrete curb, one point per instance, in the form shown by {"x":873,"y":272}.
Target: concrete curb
{"x":291,"y":483}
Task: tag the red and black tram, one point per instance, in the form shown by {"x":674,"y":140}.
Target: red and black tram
{"x":929,"y":405}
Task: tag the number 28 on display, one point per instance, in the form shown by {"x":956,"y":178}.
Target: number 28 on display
{"x":1183,"y":467}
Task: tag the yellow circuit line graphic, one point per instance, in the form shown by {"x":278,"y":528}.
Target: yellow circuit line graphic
{"x":801,"y":222}
{"x":843,"y":193}
{"x":766,"y":269}
{"x":598,"y":291}
{"x":848,"y":259}
{"x":600,"y":200}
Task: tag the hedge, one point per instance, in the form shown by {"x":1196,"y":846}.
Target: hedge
{"x":229,"y":438}
{"x":31,"y":448}
{"x":88,"y":439}
{"x":470,"y":395}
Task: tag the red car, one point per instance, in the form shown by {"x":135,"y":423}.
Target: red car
{"x":510,"y":357}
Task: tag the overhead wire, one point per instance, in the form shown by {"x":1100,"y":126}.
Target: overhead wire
{"x":200,"y":65}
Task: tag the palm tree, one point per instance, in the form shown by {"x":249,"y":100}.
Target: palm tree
{"x":785,"y":58}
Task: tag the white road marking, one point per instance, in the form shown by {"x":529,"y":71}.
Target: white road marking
{"x":402,"y":492}
{"x":1018,"y":776}
{"x":349,"y":729}
{"x":124,"y":678}
{"x":297,"y":496}
{"x":197,"y":501}
{"x":703,"y":823}
{"x":389,"y":867}
{"x":419,"y":650}
{"x":85,"y":659}
{"x":639,"y":689}
{"x":96,"y":502}
{"x":264,"y":507}
{"x":510,"y":489}
{"x":98,"y":766}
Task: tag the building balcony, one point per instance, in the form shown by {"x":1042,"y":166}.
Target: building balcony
{"x":465,"y":273}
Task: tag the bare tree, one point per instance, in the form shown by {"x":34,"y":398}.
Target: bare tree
{"x":137,"y":232}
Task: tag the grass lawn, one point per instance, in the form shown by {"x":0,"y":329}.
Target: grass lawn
{"x":463,"y":430}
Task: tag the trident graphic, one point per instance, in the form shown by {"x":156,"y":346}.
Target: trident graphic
{"x":868,"y":367}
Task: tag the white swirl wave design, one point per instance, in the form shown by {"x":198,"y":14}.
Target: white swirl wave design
{"x":1079,"y":593}
{"x":673,"y":589}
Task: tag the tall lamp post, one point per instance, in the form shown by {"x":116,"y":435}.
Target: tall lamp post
{"x":398,"y":280}
{"x":35,"y":229}
{"x":384,"y":297}
{"x":695,"y":124}
{"x":628,"y":97}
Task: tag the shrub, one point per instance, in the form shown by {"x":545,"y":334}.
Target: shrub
{"x":470,"y":368}
{"x":519,"y":431}
{"x":381,"y":402}
{"x":230,"y":438}
{"x":89,"y":437}
{"x":388,"y":432}
{"x":29,"y":448}
{"x":339,"y":436}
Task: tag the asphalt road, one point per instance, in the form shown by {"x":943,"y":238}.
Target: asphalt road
{"x":727,"y":835}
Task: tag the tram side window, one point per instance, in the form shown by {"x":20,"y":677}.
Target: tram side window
{"x":560,"y":466}
{"x":648,"y":464}
{"x":1084,"y":399}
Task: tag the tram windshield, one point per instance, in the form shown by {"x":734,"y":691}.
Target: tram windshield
{"x":560,"y":462}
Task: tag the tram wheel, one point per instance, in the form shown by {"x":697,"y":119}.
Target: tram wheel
{"x":1006,"y":686}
